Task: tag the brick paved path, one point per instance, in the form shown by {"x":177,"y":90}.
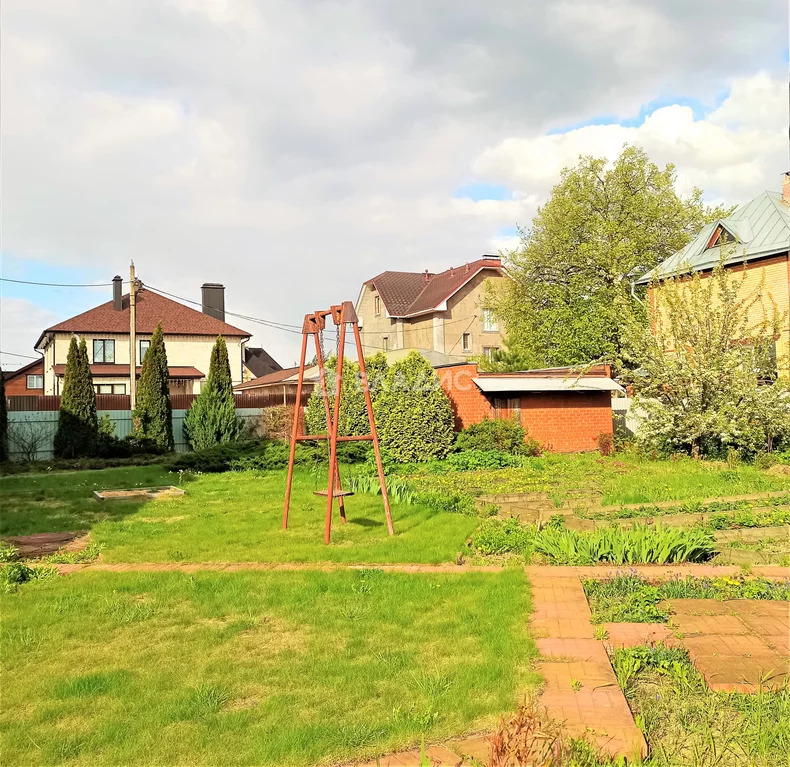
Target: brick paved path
{"x":581,"y":689}
{"x":738,"y":644}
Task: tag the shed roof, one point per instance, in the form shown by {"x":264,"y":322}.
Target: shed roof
{"x":515,"y":383}
{"x":757,"y":229}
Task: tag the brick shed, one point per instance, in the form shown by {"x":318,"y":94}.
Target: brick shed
{"x":562,"y":410}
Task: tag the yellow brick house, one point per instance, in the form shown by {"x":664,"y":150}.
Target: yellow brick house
{"x":758,"y":235}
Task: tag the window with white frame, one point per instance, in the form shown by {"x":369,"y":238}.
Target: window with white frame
{"x":109,"y":388}
{"x":35,"y":382}
{"x":377,"y":305}
{"x":466,"y":342}
{"x":143,"y":349}
{"x":490,"y":324}
{"x":103,"y":350}
{"x":488,"y":351}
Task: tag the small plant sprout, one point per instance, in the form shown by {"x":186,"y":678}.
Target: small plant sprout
{"x":600,"y":633}
{"x":576,"y":685}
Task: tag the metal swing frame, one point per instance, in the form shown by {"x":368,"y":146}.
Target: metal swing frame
{"x":314,"y":324}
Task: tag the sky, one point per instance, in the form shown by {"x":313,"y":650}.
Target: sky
{"x":292,"y":150}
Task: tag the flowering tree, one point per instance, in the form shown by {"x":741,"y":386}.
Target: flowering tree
{"x":706,"y":370}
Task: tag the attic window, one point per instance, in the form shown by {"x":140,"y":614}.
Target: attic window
{"x":377,"y":305}
{"x":719,"y":237}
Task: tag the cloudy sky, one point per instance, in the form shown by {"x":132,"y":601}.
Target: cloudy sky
{"x":292,"y":149}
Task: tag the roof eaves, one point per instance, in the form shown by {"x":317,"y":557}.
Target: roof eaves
{"x":440,"y":306}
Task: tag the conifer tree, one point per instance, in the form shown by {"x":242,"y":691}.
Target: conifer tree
{"x":153,"y":414}
{"x":3,"y":420}
{"x":212,"y":418}
{"x":78,"y":426}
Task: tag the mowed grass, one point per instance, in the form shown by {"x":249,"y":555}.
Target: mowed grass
{"x":289,"y":668}
{"x":232,"y":517}
{"x":591,"y":480}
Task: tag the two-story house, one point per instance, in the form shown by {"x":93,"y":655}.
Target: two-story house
{"x":441,"y":313}
{"x":758,"y":240}
{"x":189,"y":336}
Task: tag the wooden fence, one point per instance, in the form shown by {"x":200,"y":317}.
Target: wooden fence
{"x":117,"y":402}
{"x":33,"y":420}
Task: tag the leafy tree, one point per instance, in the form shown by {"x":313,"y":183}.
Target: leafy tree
{"x":569,"y":298}
{"x":153,"y":414}
{"x":413,"y":414}
{"x":705,"y":380}
{"x":78,"y":426}
{"x":511,"y":358}
{"x":3,"y":420}
{"x":353,"y":411}
{"x":212,"y":418}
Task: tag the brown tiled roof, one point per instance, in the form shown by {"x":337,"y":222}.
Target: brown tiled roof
{"x":270,"y":378}
{"x":25,"y":369}
{"x":119,"y":371}
{"x":151,"y":308}
{"x":408,"y":293}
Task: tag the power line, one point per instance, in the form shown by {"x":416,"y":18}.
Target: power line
{"x":57,"y":284}
{"x":14,"y":354}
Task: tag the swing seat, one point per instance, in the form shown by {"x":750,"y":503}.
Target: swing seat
{"x":335,"y":494}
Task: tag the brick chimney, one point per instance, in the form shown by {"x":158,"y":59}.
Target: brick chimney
{"x":786,"y":189}
{"x":117,"y":293}
{"x":213,"y":300}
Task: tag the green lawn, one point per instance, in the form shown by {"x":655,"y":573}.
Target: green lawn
{"x":591,"y":480}
{"x":235,"y":516}
{"x":289,"y":668}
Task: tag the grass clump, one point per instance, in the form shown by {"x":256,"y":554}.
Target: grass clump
{"x":89,"y":554}
{"x":642,"y":544}
{"x":633,"y":599}
{"x":14,"y":574}
{"x":687,"y":724}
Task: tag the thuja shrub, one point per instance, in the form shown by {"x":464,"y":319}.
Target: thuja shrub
{"x":78,"y":425}
{"x":413,"y":414}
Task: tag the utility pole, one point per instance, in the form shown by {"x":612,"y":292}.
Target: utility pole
{"x":132,"y":339}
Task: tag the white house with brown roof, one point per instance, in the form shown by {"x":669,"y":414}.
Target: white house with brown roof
{"x":189,"y":337}
{"x":441,"y":313}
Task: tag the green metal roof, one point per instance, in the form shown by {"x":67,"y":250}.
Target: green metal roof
{"x":759,"y":228}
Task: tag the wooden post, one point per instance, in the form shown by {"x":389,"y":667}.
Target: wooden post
{"x":373,"y":433}
{"x":294,"y":430}
{"x":132,"y":338}
{"x":333,"y":469}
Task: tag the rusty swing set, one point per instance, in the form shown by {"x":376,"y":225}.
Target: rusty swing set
{"x":314,"y":324}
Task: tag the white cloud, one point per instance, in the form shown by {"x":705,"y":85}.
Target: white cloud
{"x":733,"y":153}
{"x":21,"y":322}
{"x":291,"y":150}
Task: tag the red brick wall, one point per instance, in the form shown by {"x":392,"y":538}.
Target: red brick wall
{"x":16,"y":385}
{"x":567,"y":422}
{"x":564,"y":422}
{"x":469,"y":403}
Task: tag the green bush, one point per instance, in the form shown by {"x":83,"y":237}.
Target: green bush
{"x":153,"y":413}
{"x":413,"y":414}
{"x":78,"y":426}
{"x":506,"y":435}
{"x":212,"y":418}
{"x":265,"y":455}
{"x":476,"y":460}
{"x":8,"y":552}
{"x":353,"y":409}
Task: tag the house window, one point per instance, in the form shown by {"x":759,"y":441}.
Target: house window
{"x":377,"y":305}
{"x":466,"y":342}
{"x":488,"y":351}
{"x":490,"y":325}
{"x":35,"y":382}
{"x":506,"y":407}
{"x":110,"y":388}
{"x":143,"y":349}
{"x":103,"y":350}
{"x":386,"y":343}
